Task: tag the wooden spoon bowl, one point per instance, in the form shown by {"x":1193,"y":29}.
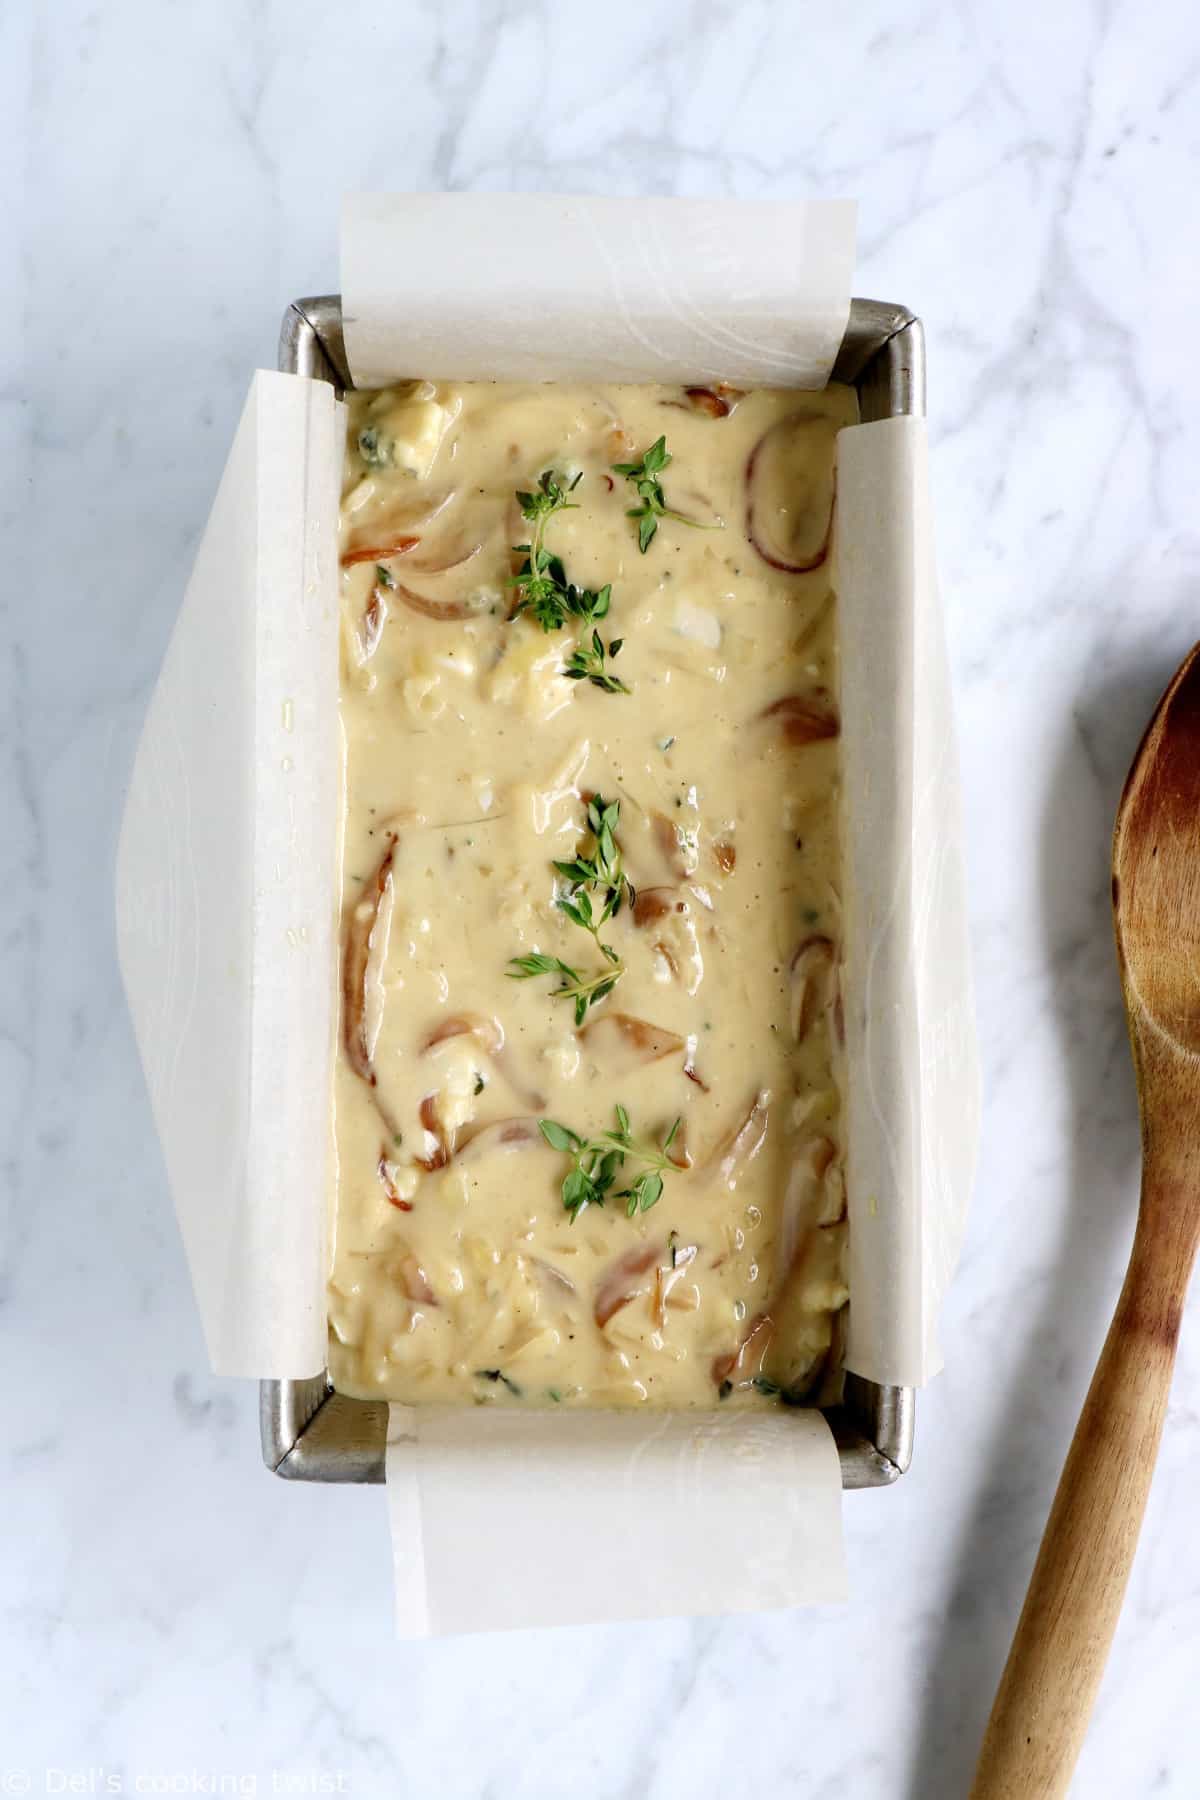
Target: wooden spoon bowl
{"x":1057,"y":1658}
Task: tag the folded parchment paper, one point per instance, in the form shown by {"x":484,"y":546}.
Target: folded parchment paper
{"x":544,"y":287}
{"x":913,"y":1088}
{"x":227,"y":879}
{"x":226,"y":887}
{"x":505,"y":1518}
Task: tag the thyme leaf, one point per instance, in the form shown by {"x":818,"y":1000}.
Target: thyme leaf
{"x":572,"y":985}
{"x":541,"y":580}
{"x":544,"y":592}
{"x":600,"y":873}
{"x":596,"y":1164}
{"x":587,"y":663}
{"x":649,"y":489}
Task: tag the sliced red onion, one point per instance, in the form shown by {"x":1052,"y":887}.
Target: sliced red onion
{"x":486,"y":1030}
{"x":717,"y":401}
{"x":802,"y":1203}
{"x":665,"y":1279}
{"x":443,"y":610}
{"x":488,"y":1033}
{"x":375,"y":616}
{"x":742,"y":1143}
{"x":396,"y":546}
{"x":805,"y":718}
{"x":679,"y":1154}
{"x":689,"y":1065}
{"x":553,"y":1278}
{"x":807,"y":543}
{"x":656,"y":903}
{"x":749,"y":1353}
{"x":811,"y":971}
{"x":389,"y":1187}
{"x":621,"y":1282}
{"x":641,"y":1041}
{"x":499,"y":1134}
{"x":360,"y":927}
{"x":448,"y":556}
{"x":443,"y":1143}
{"x":392,"y":536}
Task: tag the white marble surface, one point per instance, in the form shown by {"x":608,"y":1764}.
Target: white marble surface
{"x":1028,"y":180}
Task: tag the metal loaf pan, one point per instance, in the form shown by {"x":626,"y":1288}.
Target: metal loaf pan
{"x":309,"y":1431}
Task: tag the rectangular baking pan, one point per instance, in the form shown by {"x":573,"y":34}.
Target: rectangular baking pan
{"x":309,"y":1431}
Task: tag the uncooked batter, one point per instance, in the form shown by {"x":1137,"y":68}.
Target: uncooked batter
{"x":587,"y":1115}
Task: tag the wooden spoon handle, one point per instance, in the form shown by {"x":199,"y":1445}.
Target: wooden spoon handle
{"x":1057,"y":1658}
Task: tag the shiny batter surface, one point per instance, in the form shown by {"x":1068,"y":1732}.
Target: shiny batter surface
{"x":492,"y":1243}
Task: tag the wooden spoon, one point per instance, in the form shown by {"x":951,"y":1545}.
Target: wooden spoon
{"x":1057,"y":1658}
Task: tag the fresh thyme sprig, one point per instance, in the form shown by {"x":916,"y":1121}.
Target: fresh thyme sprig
{"x":596,"y":1163}
{"x":544,"y":592}
{"x":646,"y":1190}
{"x":644,"y":476}
{"x":586,"y":663}
{"x":600,"y":873}
{"x":573,"y":985}
{"x":541,"y":581}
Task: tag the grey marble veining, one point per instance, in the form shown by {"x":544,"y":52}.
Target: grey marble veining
{"x":1028,"y":180}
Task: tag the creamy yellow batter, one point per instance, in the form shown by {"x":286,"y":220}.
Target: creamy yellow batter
{"x":459,"y":1270}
